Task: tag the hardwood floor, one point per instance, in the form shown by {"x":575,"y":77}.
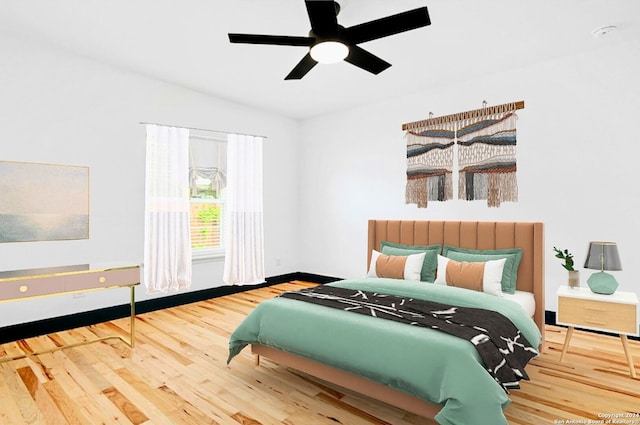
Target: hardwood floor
{"x":177,"y":374}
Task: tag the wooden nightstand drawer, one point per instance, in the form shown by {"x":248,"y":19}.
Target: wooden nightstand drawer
{"x":612,"y":316}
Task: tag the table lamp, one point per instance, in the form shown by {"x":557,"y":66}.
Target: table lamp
{"x":602,"y":256}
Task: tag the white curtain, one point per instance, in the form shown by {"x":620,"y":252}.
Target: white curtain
{"x":167,"y":238}
{"x":244,"y":247}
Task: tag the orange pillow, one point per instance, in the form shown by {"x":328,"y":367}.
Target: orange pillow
{"x":406,"y":267}
{"x":477,"y":276}
{"x":465,"y":275}
{"x":390,"y":266}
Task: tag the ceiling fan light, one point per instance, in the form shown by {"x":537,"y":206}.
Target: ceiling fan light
{"x":329,"y":51}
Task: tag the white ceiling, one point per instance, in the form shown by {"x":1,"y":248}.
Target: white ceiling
{"x":185,"y":42}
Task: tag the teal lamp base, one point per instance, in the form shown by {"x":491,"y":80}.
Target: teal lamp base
{"x":602,"y":283}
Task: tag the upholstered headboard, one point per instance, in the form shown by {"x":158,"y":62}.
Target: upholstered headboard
{"x":476,"y":235}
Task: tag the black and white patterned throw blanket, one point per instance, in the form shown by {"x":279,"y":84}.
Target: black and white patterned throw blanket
{"x":503,"y":349}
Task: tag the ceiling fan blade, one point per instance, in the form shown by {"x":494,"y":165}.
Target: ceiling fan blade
{"x":281,"y":40}
{"x":301,"y":69}
{"x":365,"y":60}
{"x":323,"y":17}
{"x":390,"y":25}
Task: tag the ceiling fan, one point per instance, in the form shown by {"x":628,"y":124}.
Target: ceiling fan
{"x":329,"y":41}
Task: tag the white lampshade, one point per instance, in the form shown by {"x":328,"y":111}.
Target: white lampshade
{"x":329,"y":52}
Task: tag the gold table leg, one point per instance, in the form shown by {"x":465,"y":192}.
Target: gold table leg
{"x":132,"y":330}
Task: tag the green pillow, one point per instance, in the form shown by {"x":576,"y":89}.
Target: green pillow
{"x":428,"y":273}
{"x":510,"y":271}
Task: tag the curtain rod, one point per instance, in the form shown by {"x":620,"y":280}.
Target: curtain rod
{"x":465,"y":115}
{"x":201,"y":129}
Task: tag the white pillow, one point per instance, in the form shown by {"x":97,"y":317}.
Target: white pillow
{"x":491,"y":279}
{"x":412,"y":265}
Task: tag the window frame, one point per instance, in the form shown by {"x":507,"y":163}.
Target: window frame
{"x":218,"y":252}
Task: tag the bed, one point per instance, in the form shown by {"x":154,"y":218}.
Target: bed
{"x":406,"y":371}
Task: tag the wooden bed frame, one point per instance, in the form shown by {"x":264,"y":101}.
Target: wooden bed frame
{"x":465,"y":234}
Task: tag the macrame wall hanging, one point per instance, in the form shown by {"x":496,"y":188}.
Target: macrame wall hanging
{"x":430,"y":164}
{"x":486,"y":165}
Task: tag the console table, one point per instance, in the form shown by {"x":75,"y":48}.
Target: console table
{"x":25,"y":284}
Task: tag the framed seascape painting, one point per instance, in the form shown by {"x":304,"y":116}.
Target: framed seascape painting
{"x":43,"y":202}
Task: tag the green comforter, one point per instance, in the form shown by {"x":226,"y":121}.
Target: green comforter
{"x":428,"y":364}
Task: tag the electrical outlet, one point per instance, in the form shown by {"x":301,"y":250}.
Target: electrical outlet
{"x":278,"y":262}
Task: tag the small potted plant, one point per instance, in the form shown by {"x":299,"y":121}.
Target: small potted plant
{"x":574,"y":275}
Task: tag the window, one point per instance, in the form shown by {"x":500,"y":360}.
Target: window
{"x":208,"y":178}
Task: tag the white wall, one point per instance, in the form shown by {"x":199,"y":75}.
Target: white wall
{"x":325,"y":178}
{"x":60,"y":109}
{"x":577,"y":164}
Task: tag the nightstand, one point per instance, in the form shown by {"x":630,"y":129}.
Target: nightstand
{"x":616,"y":313}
